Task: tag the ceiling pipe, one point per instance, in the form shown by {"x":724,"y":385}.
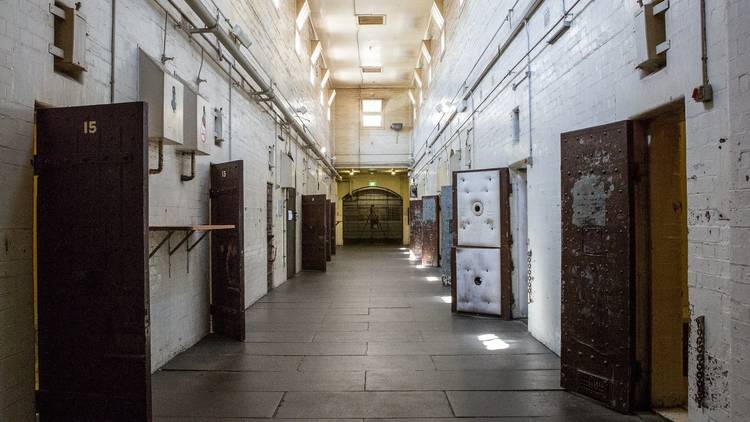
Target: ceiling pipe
{"x":210,"y":22}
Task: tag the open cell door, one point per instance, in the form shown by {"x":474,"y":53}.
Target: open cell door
{"x":481,"y":261}
{"x":227,"y":251}
{"x":415,"y":227}
{"x":93,"y":294}
{"x":446,"y":232}
{"x":430,"y":231}
{"x":291,"y":232}
{"x":332,"y":226}
{"x":329,"y":251}
{"x":599,"y":170}
{"x":314,"y":232}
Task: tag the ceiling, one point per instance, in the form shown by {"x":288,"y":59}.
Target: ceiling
{"x":347,"y":46}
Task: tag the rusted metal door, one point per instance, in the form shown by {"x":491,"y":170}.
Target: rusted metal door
{"x":598,"y":170}
{"x":291,"y":232}
{"x":415,"y":227}
{"x":332,"y":227}
{"x":93,"y":285}
{"x":431,"y":231}
{"x":227,"y":250}
{"x":314,"y":232}
{"x":481,"y":264}
{"x":328,"y":229}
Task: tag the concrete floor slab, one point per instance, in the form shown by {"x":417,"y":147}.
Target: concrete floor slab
{"x":463,"y":380}
{"x":372,"y":320}
{"x":365,"y":405}
{"x":366,"y":363}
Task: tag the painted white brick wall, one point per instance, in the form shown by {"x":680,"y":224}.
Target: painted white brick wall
{"x":588,"y":78}
{"x":358,"y":146}
{"x":179,"y":299}
{"x":738,"y":36}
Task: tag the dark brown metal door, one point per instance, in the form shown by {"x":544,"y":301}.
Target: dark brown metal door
{"x":328,"y":230}
{"x":314,"y":232}
{"x":93,"y":294}
{"x":415,"y":227}
{"x":227,"y":253}
{"x":332,"y":227}
{"x":291,"y":232}
{"x":598,"y":262}
{"x":430,"y":231}
{"x":270,"y":248}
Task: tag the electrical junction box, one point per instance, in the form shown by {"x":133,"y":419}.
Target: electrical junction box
{"x":197,"y":124}
{"x":164,"y":95}
{"x":286,"y":171}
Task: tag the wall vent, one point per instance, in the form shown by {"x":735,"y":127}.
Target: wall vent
{"x":371,"y":19}
{"x":372,"y":69}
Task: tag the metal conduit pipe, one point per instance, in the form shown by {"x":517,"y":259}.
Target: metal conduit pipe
{"x":530,"y":10}
{"x":210,"y":21}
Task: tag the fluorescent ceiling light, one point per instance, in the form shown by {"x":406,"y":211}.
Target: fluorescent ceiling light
{"x":324,"y":81}
{"x":330,"y":99}
{"x":317,"y":49}
{"x":426,"y":52}
{"x":417,"y":79}
{"x":437,"y":16}
{"x":304,"y":13}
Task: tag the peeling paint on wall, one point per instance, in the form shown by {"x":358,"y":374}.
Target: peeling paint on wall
{"x":590,"y":195}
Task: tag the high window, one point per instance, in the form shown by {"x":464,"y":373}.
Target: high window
{"x":372,"y":113}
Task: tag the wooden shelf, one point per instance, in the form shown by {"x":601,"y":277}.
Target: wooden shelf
{"x":195,"y":228}
{"x":205,"y":228}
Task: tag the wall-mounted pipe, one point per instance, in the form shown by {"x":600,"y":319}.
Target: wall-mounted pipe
{"x":210,"y":21}
{"x":190,"y":177}
{"x":113,"y":43}
{"x":160,"y":163}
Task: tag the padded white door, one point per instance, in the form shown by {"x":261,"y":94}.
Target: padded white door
{"x":478,"y":208}
{"x":478,"y":279}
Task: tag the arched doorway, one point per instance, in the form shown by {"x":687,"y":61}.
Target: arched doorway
{"x":373,"y":215}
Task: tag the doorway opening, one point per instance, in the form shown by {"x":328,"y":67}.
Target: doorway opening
{"x":291,"y":232}
{"x":668,"y":276}
{"x":372,"y":215}
{"x":519,"y":251}
{"x":270,"y":248}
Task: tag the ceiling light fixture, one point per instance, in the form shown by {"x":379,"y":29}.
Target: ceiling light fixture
{"x":411,"y":97}
{"x":437,"y":15}
{"x":330,"y":99}
{"x":304,"y":13}
{"x":317,"y":50}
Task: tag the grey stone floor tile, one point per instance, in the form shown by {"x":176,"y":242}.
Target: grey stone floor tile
{"x":212,"y":362}
{"x":523,"y":403}
{"x":366,"y":363}
{"x":365,"y":405}
{"x":279,"y":336}
{"x":462,"y":380}
{"x":453,"y":348}
{"x":252,"y":381}
{"x":301,"y":326}
{"x":215,"y":404}
{"x":367,"y":336}
{"x":209,"y":419}
{"x":495,"y":362}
